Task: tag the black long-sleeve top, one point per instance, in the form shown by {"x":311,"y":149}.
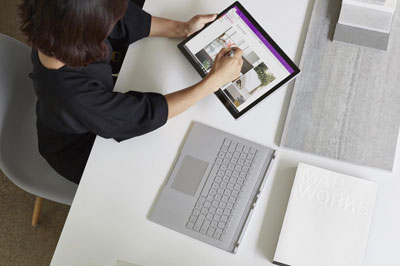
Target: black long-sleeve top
{"x":76,"y":104}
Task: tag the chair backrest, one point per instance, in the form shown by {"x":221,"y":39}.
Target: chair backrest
{"x":19,"y":155}
{"x":17,"y":101}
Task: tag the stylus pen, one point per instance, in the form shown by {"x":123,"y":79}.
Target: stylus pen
{"x":231,"y":53}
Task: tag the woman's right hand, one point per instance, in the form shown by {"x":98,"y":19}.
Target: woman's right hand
{"x":226,"y":68}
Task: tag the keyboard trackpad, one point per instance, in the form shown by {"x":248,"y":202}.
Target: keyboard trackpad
{"x":189,"y":175}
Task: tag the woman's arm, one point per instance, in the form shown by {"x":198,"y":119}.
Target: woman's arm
{"x":224,"y":70}
{"x":162,"y":27}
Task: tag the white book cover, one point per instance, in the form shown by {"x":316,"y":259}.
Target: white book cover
{"x":327,"y":220}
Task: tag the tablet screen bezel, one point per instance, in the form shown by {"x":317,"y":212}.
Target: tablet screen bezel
{"x":223,"y":98}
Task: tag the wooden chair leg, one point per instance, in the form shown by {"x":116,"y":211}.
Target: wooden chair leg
{"x":36,"y":211}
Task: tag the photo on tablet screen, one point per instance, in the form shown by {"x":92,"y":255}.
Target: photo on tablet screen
{"x":264,"y":68}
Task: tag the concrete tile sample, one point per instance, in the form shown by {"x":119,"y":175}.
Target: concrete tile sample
{"x":346,"y":103}
{"x":362,"y":37}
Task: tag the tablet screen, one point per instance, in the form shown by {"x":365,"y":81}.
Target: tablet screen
{"x":263,"y":66}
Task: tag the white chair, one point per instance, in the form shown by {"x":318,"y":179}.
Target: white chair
{"x":19,"y":155}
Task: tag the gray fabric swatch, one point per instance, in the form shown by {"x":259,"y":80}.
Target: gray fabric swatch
{"x":346,"y":103}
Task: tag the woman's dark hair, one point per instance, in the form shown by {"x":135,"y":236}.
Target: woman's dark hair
{"x":73,"y":31}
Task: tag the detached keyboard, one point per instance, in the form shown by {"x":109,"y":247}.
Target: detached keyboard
{"x":218,"y":200}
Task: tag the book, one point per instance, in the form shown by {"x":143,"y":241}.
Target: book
{"x":327,"y":220}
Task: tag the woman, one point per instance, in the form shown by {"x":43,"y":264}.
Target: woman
{"x":72,"y":44}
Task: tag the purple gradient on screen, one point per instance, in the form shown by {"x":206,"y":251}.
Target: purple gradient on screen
{"x":264,"y":40}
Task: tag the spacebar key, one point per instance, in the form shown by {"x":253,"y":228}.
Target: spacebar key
{"x":199,"y":222}
{"x":211,"y":175}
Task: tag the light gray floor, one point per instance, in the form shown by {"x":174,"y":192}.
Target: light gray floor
{"x":346,"y":103}
{"x":20,"y":243}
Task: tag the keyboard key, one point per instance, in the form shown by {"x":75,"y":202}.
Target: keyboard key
{"x":224,"y":198}
{"x":246,"y":149}
{"x":242,"y":174}
{"x":237,"y":187}
{"x":240,"y":162}
{"x":225,"y":179}
{"x":212,"y":210}
{"x":232,"y":199}
{"x":212,"y":191}
{"x":234,"y":160}
{"x":235,"y":193}
{"x":217,"y":197}
{"x":228,"y":155}
{"x":238,"y":168}
{"x":219,"y":211}
{"x":207,"y":204}
{"x":192,"y":218}
{"x":201,"y":199}
{"x":214,"y":204}
{"x":231,"y":166}
{"x":235,"y":174}
{"x":225,"y":161}
{"x":232,"y":147}
{"x":210,"y":231}
{"x":236,"y":154}
{"x":239,"y":147}
{"x":223,"y":185}
{"x":245,"y":169}
{"x":224,"y":149}
{"x":217,"y":233}
{"x":250,"y":156}
{"x":209,"y":216}
{"x":218,"y":179}
{"x":227,"y":142}
{"x":217,"y":217}
{"x":221,"y":155}
{"x":230,"y":186}
{"x":227,"y":212}
{"x":205,"y":226}
{"x":223,"y":167}
{"x":215,"y":186}
{"x":214,"y":223}
{"x":218,"y":161}
{"x":243,"y":156}
{"x":198,"y":206}
{"x":196,"y":212}
{"x":220,"y":190}
{"x":204,"y":210}
{"x":220,"y":173}
{"x":227,"y":192}
{"x":232,"y":180}
{"x":252,"y":151}
{"x":224,"y":218}
{"x":199,"y":222}
{"x":222,"y":205}
{"x":190,"y":225}
{"x":228,"y":172}
{"x":210,"y":198}
{"x":229,"y":205}
{"x":221,"y":225}
{"x":247,"y":163}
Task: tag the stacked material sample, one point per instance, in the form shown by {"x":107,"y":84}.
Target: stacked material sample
{"x":365,"y":22}
{"x":346,"y":103}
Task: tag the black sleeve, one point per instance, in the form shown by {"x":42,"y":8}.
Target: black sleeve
{"x":118,"y":115}
{"x":133,"y":26}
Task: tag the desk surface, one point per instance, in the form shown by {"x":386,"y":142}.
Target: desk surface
{"x":108,"y":220}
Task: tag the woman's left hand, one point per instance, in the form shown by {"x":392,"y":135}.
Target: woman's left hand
{"x":197,"y":23}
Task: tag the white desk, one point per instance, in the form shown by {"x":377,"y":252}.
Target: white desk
{"x":108,"y":218}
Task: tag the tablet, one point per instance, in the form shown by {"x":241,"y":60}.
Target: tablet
{"x":265,"y":66}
